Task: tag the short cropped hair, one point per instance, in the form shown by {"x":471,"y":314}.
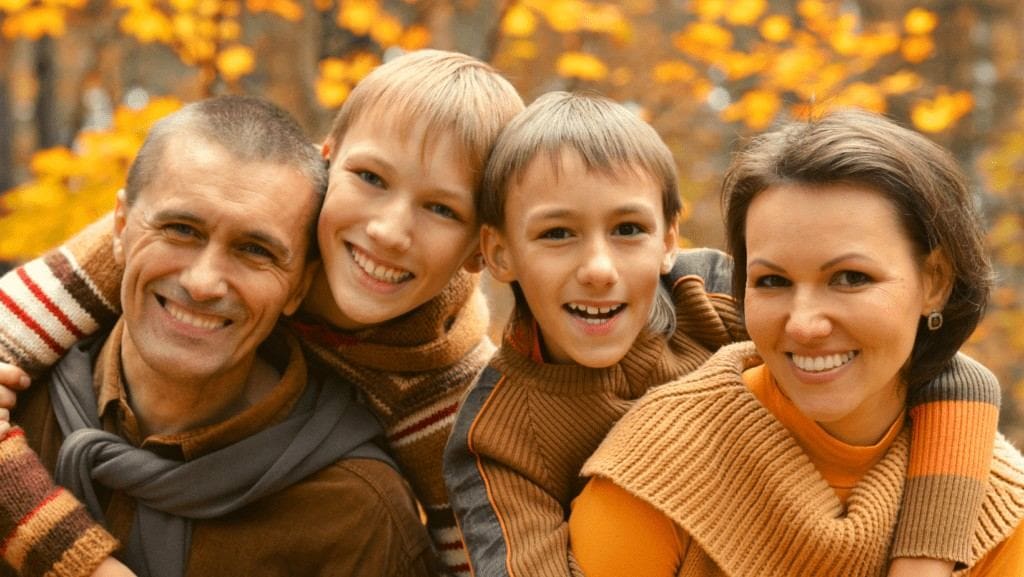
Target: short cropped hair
{"x":452,"y":92}
{"x":248,"y":128}
{"x":608,"y":137}
{"x":922,"y":181}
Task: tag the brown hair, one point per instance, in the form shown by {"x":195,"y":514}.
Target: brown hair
{"x":921,"y":180}
{"x":452,"y":92}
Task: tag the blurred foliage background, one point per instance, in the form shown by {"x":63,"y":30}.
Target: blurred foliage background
{"x":82,"y":80}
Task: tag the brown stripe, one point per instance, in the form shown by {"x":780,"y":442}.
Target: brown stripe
{"x":23,"y":483}
{"x":937,"y":517}
{"x":78,"y":286}
{"x":56,"y":542}
{"x":963,"y":380}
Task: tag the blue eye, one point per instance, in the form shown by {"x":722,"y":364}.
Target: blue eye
{"x":444,"y":211}
{"x":370,"y":178}
{"x":257,"y":251}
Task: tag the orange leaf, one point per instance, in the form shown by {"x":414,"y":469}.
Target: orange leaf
{"x":709,"y":9}
{"x":916,"y":49}
{"x":776,"y":28}
{"x":386,"y":30}
{"x":565,"y":15}
{"x":358,"y":15}
{"x":941,"y":112}
{"x":147,"y":25}
{"x":745,"y":12}
{"x":673,"y":71}
{"x":901,"y":82}
{"x":415,"y":37}
{"x":331,"y":94}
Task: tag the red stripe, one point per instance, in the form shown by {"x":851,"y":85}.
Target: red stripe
{"x":14,"y":432}
{"x":451,"y":546}
{"x":49,"y":498}
{"x":49,"y":304}
{"x":31,"y":323}
{"x":429,"y":420}
{"x":460,"y":568}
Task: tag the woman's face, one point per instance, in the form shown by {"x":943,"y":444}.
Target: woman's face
{"x":834,"y":293}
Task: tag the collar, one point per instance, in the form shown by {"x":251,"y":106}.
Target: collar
{"x":114,"y":406}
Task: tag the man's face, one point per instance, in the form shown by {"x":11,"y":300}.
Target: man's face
{"x":214,"y":251}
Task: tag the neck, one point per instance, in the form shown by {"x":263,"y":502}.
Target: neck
{"x":172,"y":404}
{"x":320,"y":301}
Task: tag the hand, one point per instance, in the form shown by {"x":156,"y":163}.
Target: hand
{"x":920,"y":567}
{"x":112,"y":568}
{"x":12,"y":380}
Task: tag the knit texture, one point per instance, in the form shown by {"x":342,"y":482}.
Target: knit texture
{"x":527,"y":427}
{"x":707,"y":454}
{"x":44,"y":531}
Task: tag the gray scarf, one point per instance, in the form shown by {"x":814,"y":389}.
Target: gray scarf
{"x":325,"y":426}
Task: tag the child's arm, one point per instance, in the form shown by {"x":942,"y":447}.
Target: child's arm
{"x":43,"y":529}
{"x":12,"y":380}
{"x":954,"y":425}
{"x":56,"y":300}
{"x":510,"y":524}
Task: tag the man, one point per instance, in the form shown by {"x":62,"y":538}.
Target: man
{"x":194,"y":429}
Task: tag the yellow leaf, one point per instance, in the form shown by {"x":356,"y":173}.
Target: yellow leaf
{"x":862,"y":95}
{"x":920,"y":21}
{"x":699,"y":37}
{"x":147,"y":25}
{"x":523,"y":50}
{"x":581,"y":65}
{"x":333,"y":69}
{"x":208,"y":8}
{"x":745,"y":12}
{"x":357,"y":16}
{"x":757,"y":108}
{"x":739,"y":65}
{"x":565,"y":15}
{"x":794,"y":66}
{"x":901,"y":82}
{"x":916,"y":49}
{"x":180,"y":6}
{"x":331,"y":94}
{"x":941,"y":112}
{"x":286,"y":9}
{"x":231,"y":8}
{"x":12,"y":6}
{"x":519,"y":22}
{"x":52,"y":161}
{"x":360,"y":65}
{"x":184,"y":25}
{"x":415,"y":37}
{"x":813,"y":10}
{"x":884,"y":42}
{"x":776,"y":28}
{"x":709,"y":9}
{"x":235,"y":61}
{"x":34,"y":23}
{"x":673,"y":71}
{"x":386,"y":30}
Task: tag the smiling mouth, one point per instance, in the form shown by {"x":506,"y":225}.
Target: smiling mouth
{"x":377,"y":271}
{"x":823,"y":363}
{"x":594,"y":315}
{"x":191,"y":318}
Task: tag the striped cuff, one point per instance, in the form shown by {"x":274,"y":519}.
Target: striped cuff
{"x":45,"y":531}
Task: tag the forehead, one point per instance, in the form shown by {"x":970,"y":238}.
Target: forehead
{"x":564,"y":176}
{"x":230,"y":194}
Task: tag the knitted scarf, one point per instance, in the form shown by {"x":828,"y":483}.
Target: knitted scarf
{"x":324,"y":426}
{"x":707,"y":454}
{"x":412,"y":372}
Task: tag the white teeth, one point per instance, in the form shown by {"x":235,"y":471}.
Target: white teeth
{"x":594,"y":311}
{"x":824,"y":363}
{"x":378,"y":271}
{"x":190,"y":318}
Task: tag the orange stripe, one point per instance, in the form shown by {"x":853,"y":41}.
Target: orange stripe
{"x":952,"y":438}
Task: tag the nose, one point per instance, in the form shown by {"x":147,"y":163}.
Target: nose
{"x":391,"y":228}
{"x":205,"y":279}
{"x":808,"y":319}
{"x":598,"y":266}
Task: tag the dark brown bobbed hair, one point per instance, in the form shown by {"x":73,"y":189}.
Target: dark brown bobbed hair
{"x":921,"y":180}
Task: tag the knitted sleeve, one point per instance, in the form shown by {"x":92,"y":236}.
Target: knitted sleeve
{"x":954,"y":423}
{"x":512,"y":527}
{"x":54,"y":301}
{"x":700,"y":282}
{"x":43,"y":529}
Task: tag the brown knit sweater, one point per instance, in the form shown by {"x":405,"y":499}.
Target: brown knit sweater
{"x":706,"y":453}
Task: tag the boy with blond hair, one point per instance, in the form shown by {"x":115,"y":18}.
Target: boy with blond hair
{"x":579,"y":210}
{"x":395,"y":308}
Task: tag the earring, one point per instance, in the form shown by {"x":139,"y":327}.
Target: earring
{"x":934,"y":321}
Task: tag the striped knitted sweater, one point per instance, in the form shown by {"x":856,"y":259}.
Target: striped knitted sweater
{"x":706,"y":453}
{"x":45,"y":530}
{"x":411,"y":371}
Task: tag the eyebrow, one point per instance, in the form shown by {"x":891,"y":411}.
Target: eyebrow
{"x":624,"y":210}
{"x":275,"y":244}
{"x":827,"y":265}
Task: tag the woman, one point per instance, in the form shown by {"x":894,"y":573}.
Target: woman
{"x":861,"y":270}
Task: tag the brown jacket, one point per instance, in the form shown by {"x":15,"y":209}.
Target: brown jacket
{"x":357,"y":517}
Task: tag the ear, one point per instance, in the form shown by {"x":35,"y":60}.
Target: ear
{"x":937,"y":277}
{"x":475,"y":262}
{"x":299,"y":293}
{"x":494,"y":247}
{"x":326,"y":148}
{"x":120,"y":221}
{"x":671,"y":244}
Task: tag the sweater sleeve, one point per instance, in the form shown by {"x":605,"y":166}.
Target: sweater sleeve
{"x":954,"y":423}
{"x":45,"y":531}
{"x":56,"y":300}
{"x":512,"y":526}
